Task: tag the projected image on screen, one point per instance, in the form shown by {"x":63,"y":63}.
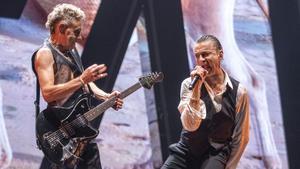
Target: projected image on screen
{"x":130,"y":137}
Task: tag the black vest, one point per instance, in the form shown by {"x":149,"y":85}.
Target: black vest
{"x":216,"y":129}
{"x":64,"y":69}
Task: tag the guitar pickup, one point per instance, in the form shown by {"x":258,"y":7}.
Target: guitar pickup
{"x":64,"y":133}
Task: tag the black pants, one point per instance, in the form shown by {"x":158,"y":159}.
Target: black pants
{"x":91,"y":160}
{"x":180,"y":158}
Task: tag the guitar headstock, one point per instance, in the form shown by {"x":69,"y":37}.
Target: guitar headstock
{"x":149,"y":80}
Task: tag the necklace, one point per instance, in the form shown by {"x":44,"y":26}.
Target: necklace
{"x":66,"y":54}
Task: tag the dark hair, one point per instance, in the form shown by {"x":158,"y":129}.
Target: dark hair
{"x":210,"y":38}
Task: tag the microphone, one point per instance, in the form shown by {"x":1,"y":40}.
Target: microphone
{"x":194,"y":81}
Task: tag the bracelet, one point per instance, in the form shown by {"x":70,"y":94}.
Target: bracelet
{"x":81,"y":81}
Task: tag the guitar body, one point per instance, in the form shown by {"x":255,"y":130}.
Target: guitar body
{"x":63,"y":132}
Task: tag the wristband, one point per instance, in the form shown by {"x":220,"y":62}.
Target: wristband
{"x":81,"y":81}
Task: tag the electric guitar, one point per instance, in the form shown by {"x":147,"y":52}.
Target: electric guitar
{"x":63,"y":132}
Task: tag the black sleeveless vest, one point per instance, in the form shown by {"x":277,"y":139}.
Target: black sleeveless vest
{"x":216,"y":129}
{"x":64,"y":70}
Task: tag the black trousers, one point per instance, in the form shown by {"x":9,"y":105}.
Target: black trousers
{"x":181,"y":158}
{"x":91,"y":160}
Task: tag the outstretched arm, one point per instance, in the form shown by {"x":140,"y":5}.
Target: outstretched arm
{"x":102,"y":95}
{"x":264,"y":8}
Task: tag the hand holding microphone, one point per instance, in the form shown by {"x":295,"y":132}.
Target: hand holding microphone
{"x":199,"y":73}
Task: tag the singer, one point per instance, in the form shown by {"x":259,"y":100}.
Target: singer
{"x":214,"y":114}
{"x":62,"y":78}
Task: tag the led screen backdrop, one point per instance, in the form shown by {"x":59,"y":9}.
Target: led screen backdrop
{"x":129,"y":138}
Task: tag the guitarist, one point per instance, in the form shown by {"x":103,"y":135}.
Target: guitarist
{"x":61,"y":76}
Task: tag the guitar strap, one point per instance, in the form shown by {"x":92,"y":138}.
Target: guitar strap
{"x":37,"y":97}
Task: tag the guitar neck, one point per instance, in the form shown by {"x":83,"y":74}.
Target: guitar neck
{"x":98,"y":110}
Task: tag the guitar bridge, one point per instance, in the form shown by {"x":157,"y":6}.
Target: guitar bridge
{"x":50,"y":139}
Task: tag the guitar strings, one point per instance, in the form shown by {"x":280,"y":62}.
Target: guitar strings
{"x":80,"y":120}
{"x":77,"y":122}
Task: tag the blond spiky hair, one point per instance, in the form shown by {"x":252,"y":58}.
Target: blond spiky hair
{"x":66,"y":12}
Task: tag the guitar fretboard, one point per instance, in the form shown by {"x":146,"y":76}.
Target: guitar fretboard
{"x":98,"y":110}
